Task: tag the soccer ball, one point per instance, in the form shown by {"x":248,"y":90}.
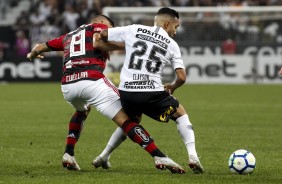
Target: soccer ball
{"x":242,"y":162}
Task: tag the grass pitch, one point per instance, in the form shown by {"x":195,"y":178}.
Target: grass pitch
{"x":34,"y":123}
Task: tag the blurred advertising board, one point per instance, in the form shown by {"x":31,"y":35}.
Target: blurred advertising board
{"x":221,"y":69}
{"x":22,"y":70}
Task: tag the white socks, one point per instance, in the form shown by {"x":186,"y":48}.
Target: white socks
{"x":186,"y":132}
{"x":116,"y":139}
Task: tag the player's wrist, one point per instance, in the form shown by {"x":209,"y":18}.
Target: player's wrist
{"x":174,"y":86}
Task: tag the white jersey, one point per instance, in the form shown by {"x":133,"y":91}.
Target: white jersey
{"x":148,"y":50}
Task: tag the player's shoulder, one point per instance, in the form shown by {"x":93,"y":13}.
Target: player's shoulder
{"x":173,"y":46}
{"x":173,"y":42}
{"x":136,"y":26}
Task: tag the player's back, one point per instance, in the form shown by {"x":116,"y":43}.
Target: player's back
{"x":78,"y":46}
{"x":148,"y":50}
{"x":81,"y":60}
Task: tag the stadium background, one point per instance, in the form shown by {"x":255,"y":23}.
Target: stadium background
{"x":34,"y":115}
{"x":217,"y":47}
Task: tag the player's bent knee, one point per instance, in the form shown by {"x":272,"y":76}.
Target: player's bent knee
{"x":120,"y":118}
{"x":82,"y":113}
{"x":179,"y":112}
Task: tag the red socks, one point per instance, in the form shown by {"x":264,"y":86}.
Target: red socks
{"x":140,"y":136}
{"x":75,"y":127}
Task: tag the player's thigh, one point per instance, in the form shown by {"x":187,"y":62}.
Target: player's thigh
{"x":162,"y":108}
{"x":131,"y":104}
{"x":103,"y":95}
{"x":120,"y":117}
{"x":71,"y":94}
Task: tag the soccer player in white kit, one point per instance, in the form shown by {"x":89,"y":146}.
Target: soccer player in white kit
{"x":84,"y":85}
{"x":148,"y":50}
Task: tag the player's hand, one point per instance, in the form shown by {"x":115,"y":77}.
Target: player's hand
{"x":280,"y":72}
{"x":33,"y":55}
{"x":169,"y":88}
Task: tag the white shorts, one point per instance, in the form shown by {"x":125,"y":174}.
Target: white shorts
{"x":101,"y":94}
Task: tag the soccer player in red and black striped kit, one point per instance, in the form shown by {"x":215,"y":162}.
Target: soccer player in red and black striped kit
{"x":84,"y":85}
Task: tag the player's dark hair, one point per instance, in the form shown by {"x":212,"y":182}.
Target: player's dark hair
{"x":103,"y":16}
{"x":168,"y":11}
{"x":110,"y":20}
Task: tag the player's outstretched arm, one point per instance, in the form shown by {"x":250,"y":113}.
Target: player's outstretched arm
{"x":106,"y":46}
{"x":37,"y":50}
{"x":180,"y":80}
{"x":104,"y":35}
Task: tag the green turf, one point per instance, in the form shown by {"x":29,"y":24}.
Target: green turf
{"x":34,"y":121}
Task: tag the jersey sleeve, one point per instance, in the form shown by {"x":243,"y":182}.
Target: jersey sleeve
{"x":176,"y":60}
{"x":117,"y":34}
{"x":56,"y":44}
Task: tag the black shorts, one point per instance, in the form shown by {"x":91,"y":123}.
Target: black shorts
{"x":159,"y":105}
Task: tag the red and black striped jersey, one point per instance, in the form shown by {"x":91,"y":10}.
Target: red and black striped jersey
{"x":81,"y":60}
